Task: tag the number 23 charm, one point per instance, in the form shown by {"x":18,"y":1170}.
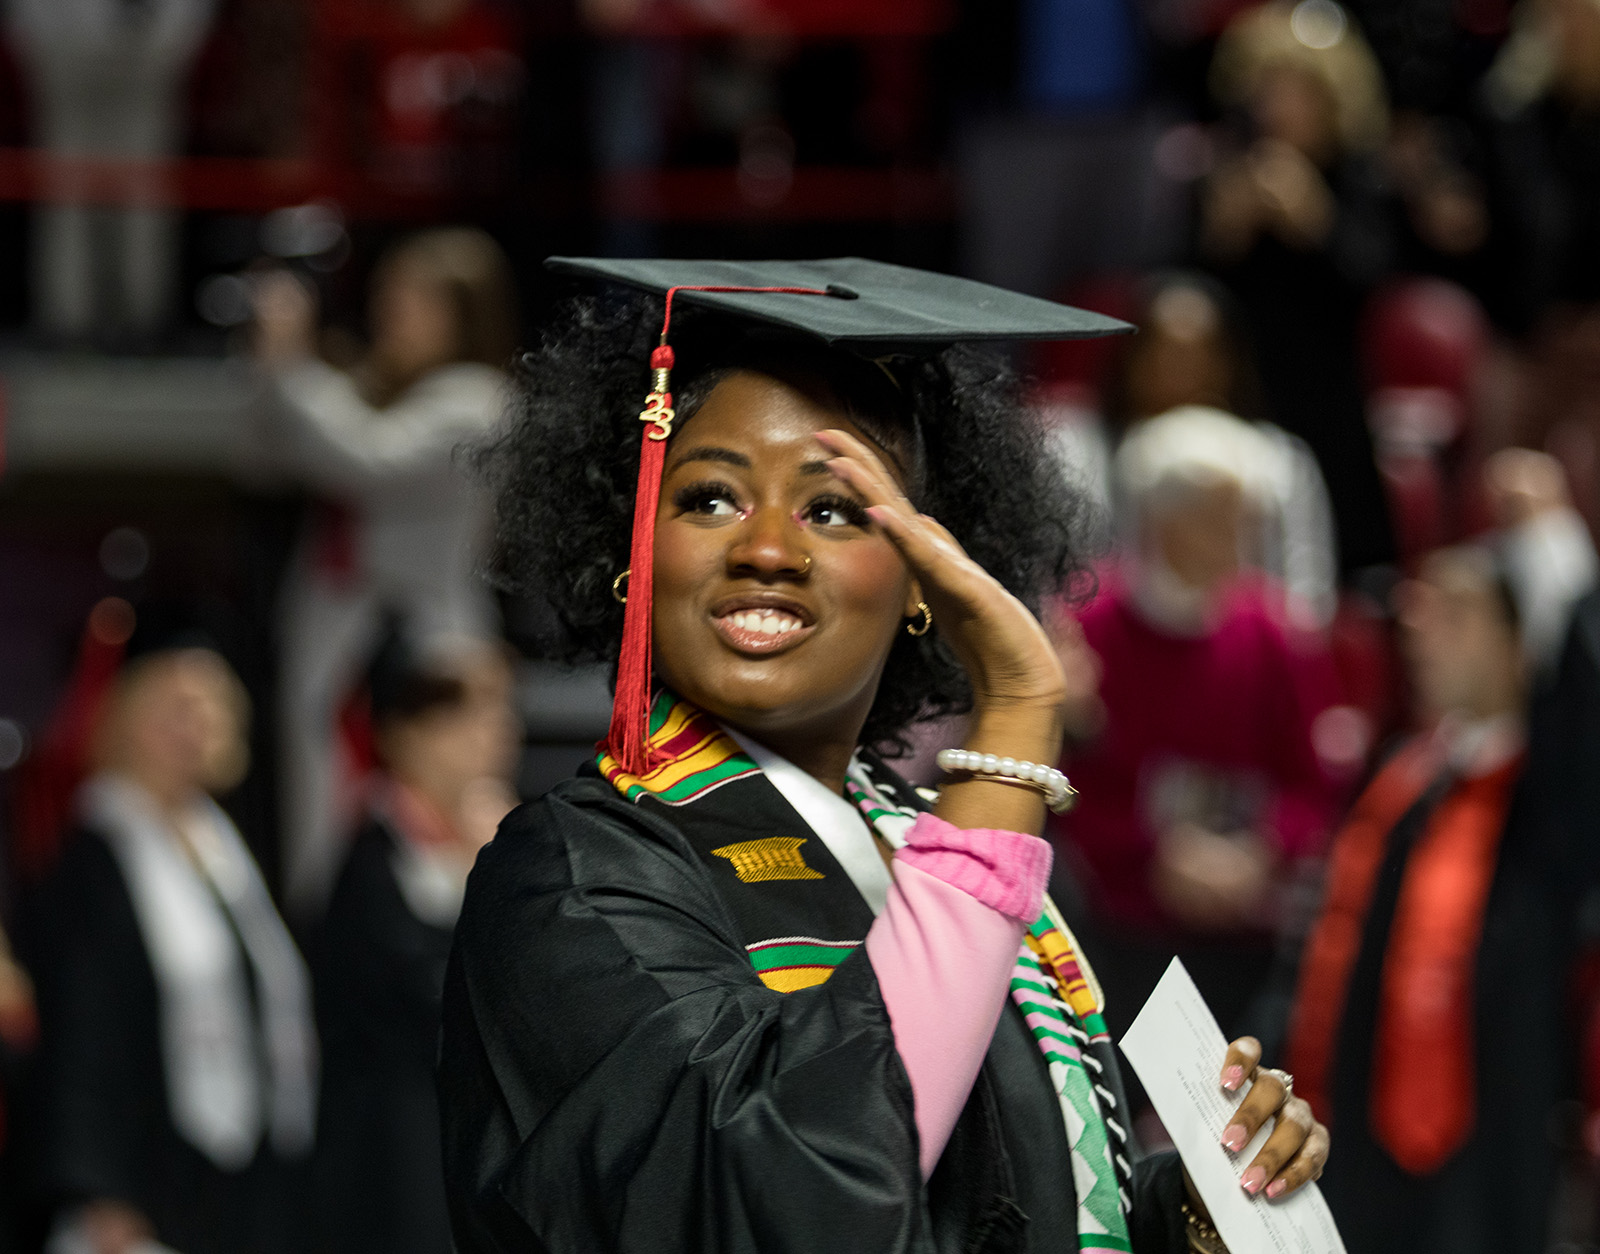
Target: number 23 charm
{"x":658,"y":410}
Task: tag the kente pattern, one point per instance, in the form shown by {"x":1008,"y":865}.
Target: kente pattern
{"x":770,"y":858}
{"x":698,"y":756}
{"x":787,"y":963}
{"x":1062,"y":1004}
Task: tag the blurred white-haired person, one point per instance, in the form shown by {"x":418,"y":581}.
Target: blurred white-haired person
{"x":1200,"y":788}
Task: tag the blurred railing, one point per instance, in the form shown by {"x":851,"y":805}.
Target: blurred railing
{"x":239,"y":185}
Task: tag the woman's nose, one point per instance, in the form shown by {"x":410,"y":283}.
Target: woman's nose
{"x":768,"y":546}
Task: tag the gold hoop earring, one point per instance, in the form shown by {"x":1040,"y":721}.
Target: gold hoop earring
{"x":617,"y":594}
{"x":923,"y":628}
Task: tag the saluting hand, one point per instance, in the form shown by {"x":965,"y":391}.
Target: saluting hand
{"x":1018,"y":685}
{"x":1007,"y":655}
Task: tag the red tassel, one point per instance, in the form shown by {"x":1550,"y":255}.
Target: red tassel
{"x":630,"y":709}
{"x":627,"y":740}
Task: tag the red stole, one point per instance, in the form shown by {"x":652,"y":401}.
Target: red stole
{"x":1423,"y":1096}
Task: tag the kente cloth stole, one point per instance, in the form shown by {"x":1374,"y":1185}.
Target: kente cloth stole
{"x":1052,"y":986}
{"x":1061,"y":1002}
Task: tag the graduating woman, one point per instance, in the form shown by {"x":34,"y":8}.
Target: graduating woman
{"x":736,"y":987}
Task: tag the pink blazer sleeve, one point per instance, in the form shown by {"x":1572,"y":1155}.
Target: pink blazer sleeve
{"x":944,"y":949}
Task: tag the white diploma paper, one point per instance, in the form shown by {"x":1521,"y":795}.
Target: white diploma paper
{"x":1177,"y":1049}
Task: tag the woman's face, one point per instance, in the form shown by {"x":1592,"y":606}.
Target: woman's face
{"x":746,"y":627}
{"x":1181,"y":358}
{"x":413,"y":323}
{"x":1292,"y":105}
{"x":178,"y":722}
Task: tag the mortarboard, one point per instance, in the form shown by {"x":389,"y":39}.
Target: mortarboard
{"x":867,"y":307}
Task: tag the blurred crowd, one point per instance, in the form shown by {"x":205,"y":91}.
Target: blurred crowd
{"x":1335,"y":652}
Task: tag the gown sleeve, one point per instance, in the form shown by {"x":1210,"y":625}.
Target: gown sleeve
{"x":615,"y":1077}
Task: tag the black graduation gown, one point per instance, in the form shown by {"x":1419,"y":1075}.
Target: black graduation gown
{"x":379,"y":975}
{"x":102,"y":1123}
{"x":615,"y":1076}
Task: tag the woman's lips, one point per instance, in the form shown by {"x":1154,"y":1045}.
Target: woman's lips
{"x":761,"y":630}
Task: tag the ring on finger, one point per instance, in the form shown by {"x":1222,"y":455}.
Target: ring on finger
{"x":1283,"y":1078}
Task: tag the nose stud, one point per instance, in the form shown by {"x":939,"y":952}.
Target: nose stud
{"x":806,"y":569}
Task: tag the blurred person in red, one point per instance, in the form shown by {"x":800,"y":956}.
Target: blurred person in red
{"x":1295,"y":219}
{"x":447,"y":737}
{"x":400,"y":522}
{"x":1427,"y":1019}
{"x":176,"y":1082}
{"x":1199,"y":785}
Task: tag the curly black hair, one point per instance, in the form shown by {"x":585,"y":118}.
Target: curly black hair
{"x":564,"y":467}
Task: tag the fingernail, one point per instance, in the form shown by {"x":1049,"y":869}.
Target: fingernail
{"x":1252,"y":1180}
{"x":1233,"y":1137}
{"x":1232,"y":1077}
{"x":1275,"y":1188}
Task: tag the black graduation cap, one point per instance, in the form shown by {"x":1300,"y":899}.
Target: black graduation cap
{"x":868,"y":307}
{"x":853,"y":302}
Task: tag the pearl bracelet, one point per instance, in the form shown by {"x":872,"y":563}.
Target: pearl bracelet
{"x":1058,"y":793}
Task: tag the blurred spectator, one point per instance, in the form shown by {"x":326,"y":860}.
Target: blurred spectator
{"x":1295,"y":219}
{"x":1437,"y":167}
{"x":106,"y":80}
{"x":1191,"y":351}
{"x":402,"y":523}
{"x":1549,"y":555}
{"x":1427,"y":1025}
{"x":178,"y":1056}
{"x":1543,"y":95}
{"x":1202,"y":787}
{"x":447,"y":740}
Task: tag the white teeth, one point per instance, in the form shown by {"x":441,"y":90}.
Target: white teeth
{"x":765,"y":622}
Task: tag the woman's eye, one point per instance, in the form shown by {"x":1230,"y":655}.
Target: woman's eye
{"x":835,"y":511}
{"x":710,"y":500}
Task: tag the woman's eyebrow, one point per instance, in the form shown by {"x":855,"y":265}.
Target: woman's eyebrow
{"x":710,"y":453}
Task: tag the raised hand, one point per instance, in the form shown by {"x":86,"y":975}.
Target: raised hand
{"x":1018,"y":685}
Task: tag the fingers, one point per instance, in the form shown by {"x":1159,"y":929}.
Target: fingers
{"x":1307,"y":1162}
{"x":1293,"y":1127}
{"x":862,"y":468}
{"x":1259,"y":1105}
{"x":920,"y":539}
{"x":1244,"y":1056}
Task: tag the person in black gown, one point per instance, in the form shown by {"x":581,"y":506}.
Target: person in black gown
{"x":1446,"y":945}
{"x":736,"y":987}
{"x":177,"y":1062}
{"x":447,"y":737}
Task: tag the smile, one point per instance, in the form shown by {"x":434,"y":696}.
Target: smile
{"x":762,"y":628}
